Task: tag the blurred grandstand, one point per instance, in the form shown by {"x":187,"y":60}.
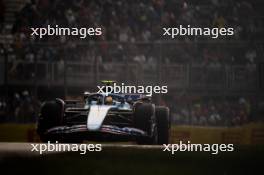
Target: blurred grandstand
{"x":212,"y":82}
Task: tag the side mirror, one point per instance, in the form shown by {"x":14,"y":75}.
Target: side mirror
{"x":86,"y":95}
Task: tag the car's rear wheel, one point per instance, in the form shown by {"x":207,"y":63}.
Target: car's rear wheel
{"x":144,"y":119}
{"x":163,"y":124}
{"x":51,"y":115}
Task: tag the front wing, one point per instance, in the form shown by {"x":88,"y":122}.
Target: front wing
{"x":110,"y":129}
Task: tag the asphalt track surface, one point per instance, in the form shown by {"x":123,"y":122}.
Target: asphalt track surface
{"x":21,"y":147}
{"x":9,"y":148}
{"x":17,"y":158}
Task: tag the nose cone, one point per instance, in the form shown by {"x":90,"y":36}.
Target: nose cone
{"x":96,"y":116}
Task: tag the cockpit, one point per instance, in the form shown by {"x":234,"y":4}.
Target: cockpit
{"x":110,"y":99}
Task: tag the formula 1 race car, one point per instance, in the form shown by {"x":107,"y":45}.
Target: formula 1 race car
{"x":104,"y":117}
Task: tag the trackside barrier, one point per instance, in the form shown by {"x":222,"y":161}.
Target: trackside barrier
{"x":18,"y":133}
{"x":244,"y":135}
{"x":257,"y":136}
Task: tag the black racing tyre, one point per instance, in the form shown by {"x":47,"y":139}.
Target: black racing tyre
{"x":144,"y":119}
{"x":143,"y":116}
{"x":163,"y":124}
{"x":51,"y":115}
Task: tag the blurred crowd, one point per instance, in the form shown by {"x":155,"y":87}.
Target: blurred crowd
{"x":213,"y":112}
{"x":2,"y":15}
{"x":141,"y":20}
{"x":132,"y":33}
{"x":21,"y":108}
{"x":132,"y":28}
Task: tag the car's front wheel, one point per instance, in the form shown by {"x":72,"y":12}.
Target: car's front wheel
{"x":163,"y":124}
{"x":144,"y":119}
{"x":51,"y":115}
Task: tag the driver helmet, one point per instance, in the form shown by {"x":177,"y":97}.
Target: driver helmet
{"x":108,"y":100}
